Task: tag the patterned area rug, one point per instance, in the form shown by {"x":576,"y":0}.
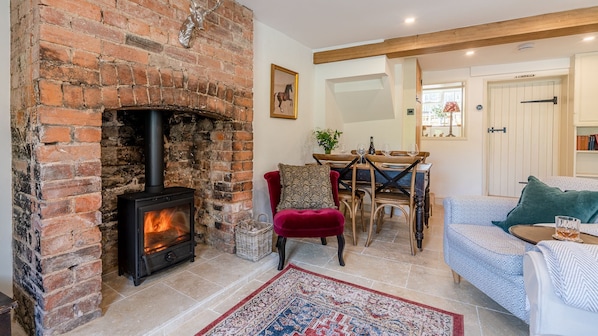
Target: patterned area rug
{"x":299,"y":302}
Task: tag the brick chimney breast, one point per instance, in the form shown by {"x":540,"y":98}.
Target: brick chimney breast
{"x":83,"y":75}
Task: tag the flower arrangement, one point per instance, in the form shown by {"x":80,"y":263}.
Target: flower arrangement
{"x":327,"y":138}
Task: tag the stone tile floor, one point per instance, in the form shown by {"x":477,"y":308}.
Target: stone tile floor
{"x":184,"y":299}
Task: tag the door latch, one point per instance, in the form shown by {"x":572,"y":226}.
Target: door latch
{"x":492,"y":130}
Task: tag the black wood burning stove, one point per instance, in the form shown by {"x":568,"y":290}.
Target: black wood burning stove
{"x":155,"y":227}
{"x":155,"y":231}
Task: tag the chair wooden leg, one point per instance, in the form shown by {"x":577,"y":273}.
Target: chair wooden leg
{"x":362,"y":222}
{"x":324,"y":242}
{"x":411,"y":234}
{"x":380,"y":219}
{"x":341,"y":247}
{"x":280,"y":244}
{"x":352,"y":212}
{"x":456,"y":277}
{"x":353,"y":219}
{"x":371,"y":228}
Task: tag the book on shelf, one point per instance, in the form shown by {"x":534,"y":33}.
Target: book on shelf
{"x":587,"y":142}
{"x":582,"y":142}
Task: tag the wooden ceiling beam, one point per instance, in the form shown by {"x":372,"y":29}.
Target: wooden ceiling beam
{"x":577,"y":21}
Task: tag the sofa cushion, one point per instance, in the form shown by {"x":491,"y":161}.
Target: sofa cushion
{"x":490,"y":245}
{"x":305,"y":187}
{"x":539,"y":203}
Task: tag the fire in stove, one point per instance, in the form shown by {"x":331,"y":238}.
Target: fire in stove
{"x":164,"y":228}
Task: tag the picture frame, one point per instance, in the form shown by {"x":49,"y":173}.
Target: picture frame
{"x":284,"y":87}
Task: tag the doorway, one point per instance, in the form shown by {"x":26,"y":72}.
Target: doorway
{"x":523,"y":133}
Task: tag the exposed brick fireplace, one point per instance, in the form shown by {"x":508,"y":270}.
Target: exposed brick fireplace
{"x":79,"y":69}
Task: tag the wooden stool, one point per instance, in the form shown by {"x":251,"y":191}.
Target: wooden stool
{"x":6,"y":305}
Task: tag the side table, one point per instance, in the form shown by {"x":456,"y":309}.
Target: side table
{"x":534,"y":234}
{"x":6,"y":305}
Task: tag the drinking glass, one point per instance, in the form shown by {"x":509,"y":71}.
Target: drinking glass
{"x":342,"y":148}
{"x":567,"y":228}
{"x":361,"y":151}
{"x":386,"y":149}
{"x":412,"y":150}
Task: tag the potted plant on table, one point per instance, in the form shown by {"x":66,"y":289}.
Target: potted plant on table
{"x":327,"y":138}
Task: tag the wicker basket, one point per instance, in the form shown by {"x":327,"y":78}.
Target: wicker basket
{"x":254,"y":239}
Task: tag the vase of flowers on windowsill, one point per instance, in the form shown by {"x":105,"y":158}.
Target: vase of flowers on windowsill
{"x":327,"y":138}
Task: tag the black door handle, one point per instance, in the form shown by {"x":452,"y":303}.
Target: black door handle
{"x":492,"y":130}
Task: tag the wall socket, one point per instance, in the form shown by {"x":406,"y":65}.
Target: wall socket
{"x":410,"y":111}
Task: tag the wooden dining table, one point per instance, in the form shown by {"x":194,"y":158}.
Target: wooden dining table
{"x":422,"y":189}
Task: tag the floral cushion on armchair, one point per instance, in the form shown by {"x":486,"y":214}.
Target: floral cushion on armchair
{"x":305,"y":187}
{"x":540,"y":203}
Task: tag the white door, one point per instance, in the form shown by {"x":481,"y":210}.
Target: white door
{"x":522,"y":137}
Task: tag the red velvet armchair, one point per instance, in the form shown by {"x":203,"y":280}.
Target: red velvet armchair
{"x":301,"y":223}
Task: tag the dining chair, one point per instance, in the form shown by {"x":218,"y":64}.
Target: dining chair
{"x":392,"y":181}
{"x":422,"y":156}
{"x":349,"y":195}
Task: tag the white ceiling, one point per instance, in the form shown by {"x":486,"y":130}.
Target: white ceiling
{"x":329,"y":24}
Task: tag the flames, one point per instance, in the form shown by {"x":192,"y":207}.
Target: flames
{"x":165,"y":227}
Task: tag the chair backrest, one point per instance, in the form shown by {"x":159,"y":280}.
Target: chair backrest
{"x":421,"y":155}
{"x":275,"y":188}
{"x":342,"y":163}
{"x":383,"y":168}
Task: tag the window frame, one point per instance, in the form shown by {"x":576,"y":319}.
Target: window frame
{"x":435,"y":96}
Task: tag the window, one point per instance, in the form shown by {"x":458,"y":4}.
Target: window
{"x":442,"y":110}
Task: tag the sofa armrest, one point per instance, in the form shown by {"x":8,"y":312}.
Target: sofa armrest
{"x":549,"y":315}
{"x":480,"y":210}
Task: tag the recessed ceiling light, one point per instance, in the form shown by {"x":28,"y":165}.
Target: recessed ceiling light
{"x":409,"y":20}
{"x":470,"y":52}
{"x":588,"y":38}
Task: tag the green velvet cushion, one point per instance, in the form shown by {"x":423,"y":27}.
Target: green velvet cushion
{"x":539,"y":203}
{"x":305,"y":187}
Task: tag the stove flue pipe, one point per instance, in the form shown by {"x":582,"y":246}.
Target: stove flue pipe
{"x":154,"y":152}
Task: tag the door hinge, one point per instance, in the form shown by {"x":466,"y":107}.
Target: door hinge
{"x":554,"y":100}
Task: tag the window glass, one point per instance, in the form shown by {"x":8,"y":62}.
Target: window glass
{"x":442,"y":110}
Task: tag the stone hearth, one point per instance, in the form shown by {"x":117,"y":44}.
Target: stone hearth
{"x":82,"y":71}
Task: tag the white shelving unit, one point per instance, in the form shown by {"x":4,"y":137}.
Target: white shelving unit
{"x":586,"y":161}
{"x":585,"y":109}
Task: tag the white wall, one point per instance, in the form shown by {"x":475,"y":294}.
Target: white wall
{"x":328,"y":116}
{"x":279,"y":140}
{"x":5,"y":163}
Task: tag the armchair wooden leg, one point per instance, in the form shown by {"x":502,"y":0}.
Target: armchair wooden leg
{"x":324,"y":242}
{"x":456,"y":277}
{"x":280,"y":244}
{"x":341,"y":247}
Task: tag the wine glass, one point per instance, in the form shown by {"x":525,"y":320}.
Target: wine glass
{"x":386,"y":150}
{"x":412,"y":150}
{"x":361,"y":151}
{"x":343,"y":148}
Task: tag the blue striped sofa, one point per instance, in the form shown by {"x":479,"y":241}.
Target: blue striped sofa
{"x":484,"y":254}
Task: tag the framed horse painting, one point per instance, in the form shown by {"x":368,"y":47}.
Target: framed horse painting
{"x":283,"y":96}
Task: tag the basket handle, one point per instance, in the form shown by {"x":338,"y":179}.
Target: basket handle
{"x":263,"y":214}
